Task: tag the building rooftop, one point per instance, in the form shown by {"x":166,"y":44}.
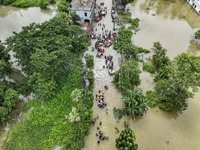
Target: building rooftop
{"x":81,"y":5}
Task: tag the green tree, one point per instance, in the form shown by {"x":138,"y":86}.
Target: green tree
{"x":127,"y":76}
{"x":172,"y":95}
{"x":197,"y":34}
{"x":135,"y":103}
{"x":89,"y":60}
{"x":62,"y":6}
{"x":126,"y":140}
{"x":147,"y":67}
{"x":125,"y":2}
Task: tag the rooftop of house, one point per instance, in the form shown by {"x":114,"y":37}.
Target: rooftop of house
{"x":81,"y":5}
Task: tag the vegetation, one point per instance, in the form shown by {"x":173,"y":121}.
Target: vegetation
{"x":63,"y":5}
{"x":125,"y":2}
{"x":174,"y":79}
{"x":124,"y":45}
{"x":90,"y":75}
{"x":197,"y":35}
{"x":46,"y":59}
{"x":161,"y":62}
{"x":151,"y":99}
{"x":148,"y":68}
{"x":126,"y":140}
{"x":27,"y":3}
{"x":62,"y":111}
{"x":133,"y":22}
{"x":8,"y":94}
{"x":89,"y":60}
{"x":127,"y":76}
{"x":135,"y":104}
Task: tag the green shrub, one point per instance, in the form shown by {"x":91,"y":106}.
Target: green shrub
{"x":89,"y":60}
{"x":90,"y":75}
{"x":151,"y":99}
{"x":148,"y":68}
{"x":197,"y":35}
{"x":128,"y":76}
{"x":126,"y":140}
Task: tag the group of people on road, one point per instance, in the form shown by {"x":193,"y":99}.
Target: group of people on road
{"x":102,"y":11}
{"x":99,"y":133}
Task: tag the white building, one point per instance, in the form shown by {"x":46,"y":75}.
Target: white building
{"x":83,"y":8}
{"x":195,"y":4}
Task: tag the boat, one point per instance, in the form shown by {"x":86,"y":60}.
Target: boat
{"x":113,"y":14}
{"x":195,"y":4}
{"x":110,"y":65}
{"x":101,"y":103}
{"x":104,"y":12}
{"x":111,"y":71}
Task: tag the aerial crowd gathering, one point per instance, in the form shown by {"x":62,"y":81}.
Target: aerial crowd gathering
{"x":105,"y":39}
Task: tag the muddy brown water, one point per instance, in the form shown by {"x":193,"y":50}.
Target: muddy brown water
{"x":12,"y":19}
{"x":173,"y":24}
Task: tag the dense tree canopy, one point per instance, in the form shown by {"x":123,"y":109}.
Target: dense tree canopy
{"x":27,"y":3}
{"x":126,"y":140}
{"x":51,"y":54}
{"x":50,"y":51}
{"x":135,"y":103}
{"x":8,"y":95}
{"x":127,"y":76}
{"x":174,"y":78}
{"x":197,"y":35}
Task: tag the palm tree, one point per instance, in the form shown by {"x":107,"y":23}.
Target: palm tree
{"x":135,"y":104}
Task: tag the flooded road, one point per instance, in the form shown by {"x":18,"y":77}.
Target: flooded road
{"x":12,"y":19}
{"x":173,"y":24}
{"x":112,"y":95}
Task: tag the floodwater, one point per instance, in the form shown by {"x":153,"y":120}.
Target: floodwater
{"x":12,"y":19}
{"x":173,"y":23}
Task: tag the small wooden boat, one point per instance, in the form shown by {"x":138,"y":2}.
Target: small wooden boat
{"x":111,"y":71}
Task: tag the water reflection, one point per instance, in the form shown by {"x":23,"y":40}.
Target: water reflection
{"x":173,"y":9}
{"x":194,"y":48}
{"x":12,"y":19}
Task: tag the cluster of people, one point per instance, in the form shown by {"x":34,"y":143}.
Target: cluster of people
{"x":100,"y":97}
{"x":93,"y":35}
{"x":100,"y":47}
{"x":104,"y":40}
{"x":101,"y":12}
{"x":100,"y":134}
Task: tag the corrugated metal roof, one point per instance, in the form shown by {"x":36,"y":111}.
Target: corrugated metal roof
{"x":81,"y":5}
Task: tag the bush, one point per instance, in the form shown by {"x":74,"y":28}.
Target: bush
{"x":89,"y":60}
{"x":148,"y":68}
{"x":126,"y":140}
{"x":90,"y":75}
{"x":197,"y":35}
{"x":128,"y":76}
{"x":151,"y":99}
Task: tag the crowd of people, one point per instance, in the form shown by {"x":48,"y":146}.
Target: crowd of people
{"x":99,"y":133}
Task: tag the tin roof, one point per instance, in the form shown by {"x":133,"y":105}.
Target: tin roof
{"x":81,"y":5}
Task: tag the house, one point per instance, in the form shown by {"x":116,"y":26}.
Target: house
{"x":84,"y":9}
{"x":195,"y":4}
